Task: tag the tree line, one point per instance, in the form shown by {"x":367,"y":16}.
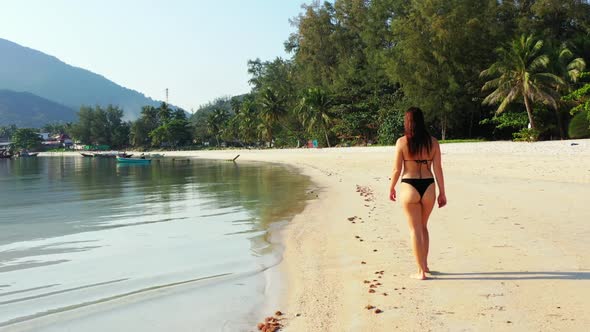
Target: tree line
{"x":156,"y":127}
{"x":479,"y":69}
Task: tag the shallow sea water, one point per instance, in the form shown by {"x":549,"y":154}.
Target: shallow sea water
{"x":89,"y":244}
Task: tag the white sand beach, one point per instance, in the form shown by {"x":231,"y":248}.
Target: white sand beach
{"x":510,"y":248}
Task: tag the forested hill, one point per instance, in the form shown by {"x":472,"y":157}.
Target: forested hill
{"x":25,"y":109}
{"x":25,"y":69}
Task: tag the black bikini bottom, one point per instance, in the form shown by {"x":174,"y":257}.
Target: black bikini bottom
{"x":420,"y":184}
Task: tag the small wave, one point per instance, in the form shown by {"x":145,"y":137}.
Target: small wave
{"x":94,"y":302}
{"x":26,"y":290}
{"x":223,"y":277}
{"x":61,"y":291}
{"x":106,"y":226}
{"x":30,"y":265}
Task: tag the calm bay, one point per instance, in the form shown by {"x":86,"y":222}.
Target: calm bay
{"x":89,"y":244}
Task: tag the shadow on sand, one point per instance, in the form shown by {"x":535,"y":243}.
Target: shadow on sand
{"x":521,"y":275}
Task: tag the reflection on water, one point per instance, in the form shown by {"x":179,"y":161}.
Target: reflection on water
{"x":68,"y":195}
{"x":89,"y":222}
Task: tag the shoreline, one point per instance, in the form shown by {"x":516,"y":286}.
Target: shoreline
{"x":510,"y":245}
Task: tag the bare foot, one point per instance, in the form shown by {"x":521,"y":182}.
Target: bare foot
{"x":419,"y":276}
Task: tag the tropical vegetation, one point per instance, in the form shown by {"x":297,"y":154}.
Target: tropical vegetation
{"x":25,"y":139}
{"x":487,"y":70}
{"x":479,"y":69}
{"x":580,"y":124}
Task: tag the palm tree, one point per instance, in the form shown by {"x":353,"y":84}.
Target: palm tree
{"x":520,"y":72}
{"x":263,"y":131}
{"x":248,"y":121}
{"x":272,"y":110}
{"x":215,"y":122}
{"x":164,"y":112}
{"x":569,"y":69}
{"x":236,"y":104}
{"x":313,"y":111}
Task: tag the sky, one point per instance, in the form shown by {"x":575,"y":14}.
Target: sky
{"x":197,"y":49}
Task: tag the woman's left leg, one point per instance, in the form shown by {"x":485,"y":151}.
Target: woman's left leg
{"x":410,"y":201}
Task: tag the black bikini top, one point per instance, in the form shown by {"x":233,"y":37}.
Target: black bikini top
{"x":420,"y":162}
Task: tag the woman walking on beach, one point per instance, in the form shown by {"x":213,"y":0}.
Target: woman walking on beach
{"x":416,"y":155}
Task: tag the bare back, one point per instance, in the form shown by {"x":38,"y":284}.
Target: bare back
{"x":417,"y":166}
{"x":422,"y":166}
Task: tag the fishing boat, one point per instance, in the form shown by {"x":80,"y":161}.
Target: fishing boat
{"x":106,"y":155}
{"x":137,"y":161}
{"x":27,"y":154}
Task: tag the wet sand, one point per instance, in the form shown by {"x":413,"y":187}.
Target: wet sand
{"x":510,"y":249}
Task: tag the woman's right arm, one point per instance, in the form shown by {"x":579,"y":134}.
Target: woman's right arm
{"x":438,"y":174}
{"x":397,"y":169}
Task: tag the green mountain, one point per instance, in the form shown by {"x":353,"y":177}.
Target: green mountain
{"x":25,"y":69}
{"x":24,"y":109}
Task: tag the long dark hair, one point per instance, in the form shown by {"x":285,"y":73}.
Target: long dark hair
{"x":415,"y":131}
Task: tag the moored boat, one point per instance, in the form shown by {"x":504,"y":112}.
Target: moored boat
{"x":26,"y":154}
{"x":112,"y":154}
{"x":87,"y":155}
{"x":106,"y":155}
{"x":138,"y":161}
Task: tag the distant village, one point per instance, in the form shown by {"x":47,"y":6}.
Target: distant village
{"x":48,"y":142}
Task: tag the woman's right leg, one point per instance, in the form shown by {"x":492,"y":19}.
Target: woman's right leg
{"x":427,"y":205}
